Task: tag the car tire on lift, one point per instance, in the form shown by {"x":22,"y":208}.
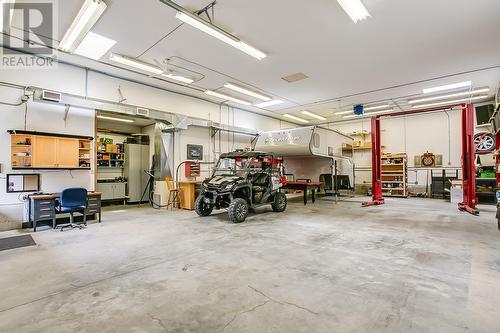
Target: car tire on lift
{"x":201,"y":208}
{"x":280,"y":202}
{"x":238,"y":210}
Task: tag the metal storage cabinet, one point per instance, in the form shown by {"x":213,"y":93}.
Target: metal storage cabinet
{"x":137,"y":160}
{"x":112,"y":191}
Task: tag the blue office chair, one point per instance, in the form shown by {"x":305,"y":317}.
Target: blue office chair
{"x":72,"y":200}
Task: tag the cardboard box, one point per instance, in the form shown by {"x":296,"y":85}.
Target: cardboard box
{"x":111,"y":148}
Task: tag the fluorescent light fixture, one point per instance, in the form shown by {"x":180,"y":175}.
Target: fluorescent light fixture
{"x":310,"y":114}
{"x":355,"y":9}
{"x":448,"y":87}
{"x":378,"y":107}
{"x":178,"y":78}
{"x":463,"y":100}
{"x":295,"y":118}
{"x":227,"y":97}
{"x":9,"y":4}
{"x":94,"y":46}
{"x":135,"y":63}
{"x":436,"y":98}
{"x":246,"y":91}
{"x":216,"y":32}
{"x":343,"y":112}
{"x":88,"y":15}
{"x":116,"y":119}
{"x":368,"y":114}
{"x":270,"y":103}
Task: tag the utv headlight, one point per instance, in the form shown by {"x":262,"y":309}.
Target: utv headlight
{"x":228,"y":187}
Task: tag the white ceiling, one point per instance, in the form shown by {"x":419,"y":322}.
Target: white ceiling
{"x":403,"y":42}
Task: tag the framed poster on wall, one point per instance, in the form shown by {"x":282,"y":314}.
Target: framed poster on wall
{"x":194,"y":152}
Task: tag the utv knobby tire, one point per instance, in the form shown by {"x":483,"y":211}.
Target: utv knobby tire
{"x":279,"y":203}
{"x":238,"y":210}
{"x":201,"y":208}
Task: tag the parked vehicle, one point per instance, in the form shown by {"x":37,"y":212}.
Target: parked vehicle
{"x":243,"y":180}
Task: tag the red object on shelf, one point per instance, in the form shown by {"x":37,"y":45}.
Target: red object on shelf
{"x":468,"y":152}
{"x":192,"y":169}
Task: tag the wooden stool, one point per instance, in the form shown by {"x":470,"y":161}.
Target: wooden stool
{"x":173,"y":193}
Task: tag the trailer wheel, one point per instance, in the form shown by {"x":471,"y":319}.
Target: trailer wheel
{"x":238,"y":210}
{"x":279,"y":203}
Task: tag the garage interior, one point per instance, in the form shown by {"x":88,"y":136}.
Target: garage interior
{"x":250,"y":166}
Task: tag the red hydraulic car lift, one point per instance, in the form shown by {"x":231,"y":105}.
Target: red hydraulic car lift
{"x":468,"y":150}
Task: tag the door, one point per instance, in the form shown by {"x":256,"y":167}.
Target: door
{"x":44,"y":151}
{"x":67,"y":153}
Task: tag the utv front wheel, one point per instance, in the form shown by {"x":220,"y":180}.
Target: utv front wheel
{"x":201,"y":207}
{"x":280,"y":202}
{"x":238,"y":210}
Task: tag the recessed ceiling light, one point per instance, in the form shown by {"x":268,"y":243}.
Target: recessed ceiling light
{"x":94,"y":46}
{"x":310,"y":114}
{"x":448,"y":87}
{"x":178,"y":78}
{"x":295,"y":118}
{"x":115,"y":119}
{"x":270,"y":103}
{"x":88,"y":15}
{"x":355,"y":9}
{"x":463,"y":100}
{"x":436,"y":98}
{"x":227,"y":97}
{"x":246,"y":91}
{"x":135,"y":63}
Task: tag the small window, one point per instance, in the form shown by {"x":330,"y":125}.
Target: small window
{"x":316,"y":140}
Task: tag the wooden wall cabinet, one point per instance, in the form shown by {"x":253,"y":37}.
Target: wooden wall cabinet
{"x":39,"y":151}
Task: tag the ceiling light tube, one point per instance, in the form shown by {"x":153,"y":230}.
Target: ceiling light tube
{"x":343,"y":112}
{"x":448,"y":87}
{"x":310,"y":114}
{"x":9,"y":5}
{"x":213,"y":30}
{"x":295,"y":118}
{"x":355,"y":9}
{"x":270,"y":103}
{"x":378,"y":107}
{"x":116,"y":119}
{"x":246,"y":91}
{"x":135,"y":63}
{"x":369,"y":114}
{"x":226,"y":97}
{"x":436,"y":98}
{"x":463,"y":100}
{"x":178,"y":78}
{"x":88,"y":15}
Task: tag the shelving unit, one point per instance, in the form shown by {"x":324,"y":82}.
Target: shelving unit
{"x":394,"y":175}
{"x":21,"y":150}
{"x":41,"y":150}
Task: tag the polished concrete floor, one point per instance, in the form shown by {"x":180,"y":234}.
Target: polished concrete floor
{"x":413,"y":265}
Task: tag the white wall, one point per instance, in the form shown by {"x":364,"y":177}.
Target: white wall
{"x":414,"y":135}
{"x":49,"y":118}
{"x":42,"y":118}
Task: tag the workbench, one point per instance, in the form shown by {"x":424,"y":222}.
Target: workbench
{"x":43,"y":207}
{"x":304,"y":187}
